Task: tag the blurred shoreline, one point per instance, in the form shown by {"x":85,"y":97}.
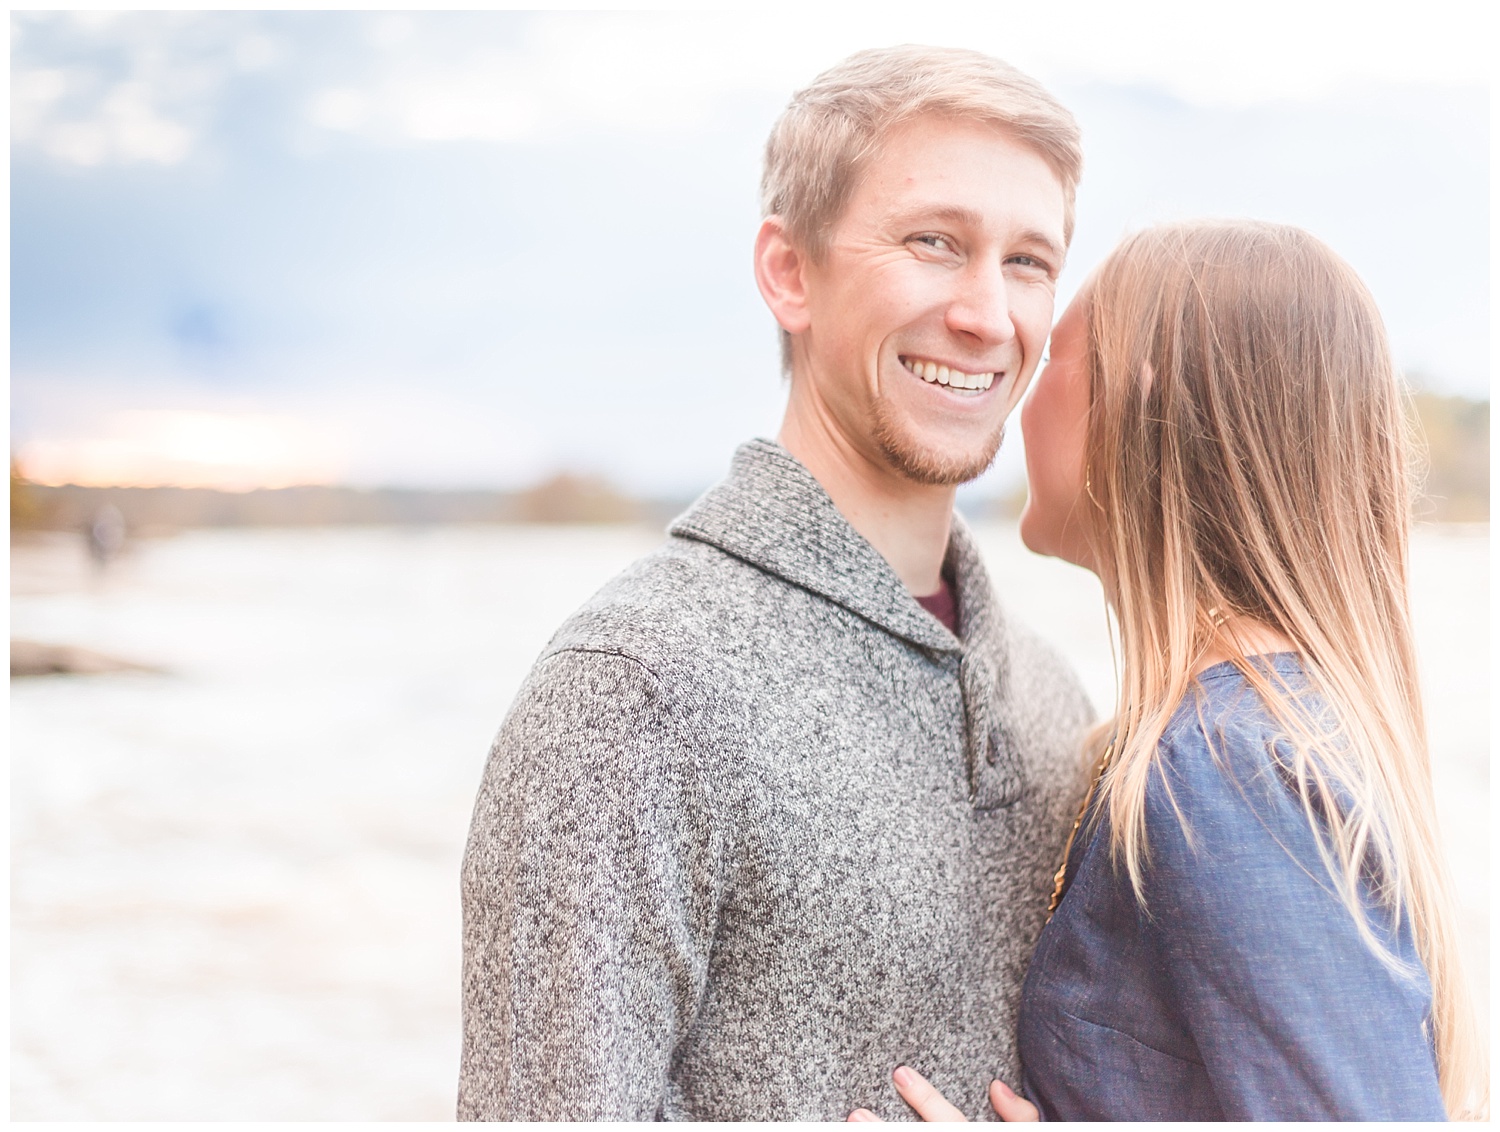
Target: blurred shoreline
{"x":147,"y":511}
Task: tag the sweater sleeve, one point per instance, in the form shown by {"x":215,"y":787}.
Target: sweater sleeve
{"x":589,"y":899}
{"x":1294,"y":1015}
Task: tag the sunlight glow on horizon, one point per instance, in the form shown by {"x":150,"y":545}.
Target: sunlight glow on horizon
{"x":187,"y":448}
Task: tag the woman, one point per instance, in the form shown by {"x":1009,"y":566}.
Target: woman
{"x":1252,"y":919}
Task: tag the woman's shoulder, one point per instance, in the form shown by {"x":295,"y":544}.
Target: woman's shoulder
{"x":1223,"y":732}
{"x":1222,"y":791}
{"x":1231,"y":840}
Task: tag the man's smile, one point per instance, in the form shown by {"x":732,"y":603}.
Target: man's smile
{"x":935,"y":373}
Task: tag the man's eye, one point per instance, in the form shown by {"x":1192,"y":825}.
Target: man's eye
{"x":1032,"y":264}
{"x":933,"y":240}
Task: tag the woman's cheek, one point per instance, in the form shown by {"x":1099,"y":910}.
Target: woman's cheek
{"x":1054,"y":475}
{"x":1037,"y":532}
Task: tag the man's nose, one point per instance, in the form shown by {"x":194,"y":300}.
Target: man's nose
{"x":981,"y":308}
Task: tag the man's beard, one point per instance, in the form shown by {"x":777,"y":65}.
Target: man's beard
{"x":939,"y":469}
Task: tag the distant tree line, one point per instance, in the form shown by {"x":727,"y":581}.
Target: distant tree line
{"x":1453,"y":458}
{"x":1453,"y":472}
{"x":563,"y":498}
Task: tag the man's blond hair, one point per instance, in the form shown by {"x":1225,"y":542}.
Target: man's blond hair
{"x":831,"y":129}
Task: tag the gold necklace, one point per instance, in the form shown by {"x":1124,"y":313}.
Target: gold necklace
{"x":1059,"y":879}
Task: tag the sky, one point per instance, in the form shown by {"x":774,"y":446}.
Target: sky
{"x":472,"y":249}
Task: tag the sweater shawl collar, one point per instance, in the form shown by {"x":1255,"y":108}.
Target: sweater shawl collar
{"x":771,"y":512}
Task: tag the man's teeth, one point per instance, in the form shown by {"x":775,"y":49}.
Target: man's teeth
{"x":941,"y":375}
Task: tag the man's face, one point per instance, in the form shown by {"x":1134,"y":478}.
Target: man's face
{"x":932,"y":302}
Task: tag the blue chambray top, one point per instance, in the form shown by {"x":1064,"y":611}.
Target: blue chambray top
{"x":1243,"y":991}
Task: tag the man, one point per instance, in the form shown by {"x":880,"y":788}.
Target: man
{"x":778,"y":809}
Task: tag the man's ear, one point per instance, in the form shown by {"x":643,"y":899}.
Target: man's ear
{"x":779,"y":275}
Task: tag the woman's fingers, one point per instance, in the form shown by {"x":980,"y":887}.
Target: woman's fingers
{"x":930,"y":1105}
{"x":919,"y":1093}
{"x":1010,"y":1106}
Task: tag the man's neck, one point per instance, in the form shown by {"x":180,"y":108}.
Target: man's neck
{"x":907,"y":522}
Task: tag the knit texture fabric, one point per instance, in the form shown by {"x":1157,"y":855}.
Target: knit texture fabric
{"x":758,"y":829}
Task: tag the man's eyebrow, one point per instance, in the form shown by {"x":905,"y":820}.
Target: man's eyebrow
{"x":1054,"y":249}
{"x":952,"y":213}
{"x":958,"y":214}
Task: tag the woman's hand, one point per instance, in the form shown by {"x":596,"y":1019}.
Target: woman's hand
{"x":1009,"y":1105}
{"x":931,"y":1106}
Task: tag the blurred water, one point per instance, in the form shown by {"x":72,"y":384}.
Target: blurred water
{"x":234,"y":884}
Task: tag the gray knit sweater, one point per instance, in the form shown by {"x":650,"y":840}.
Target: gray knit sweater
{"x":758,"y":829}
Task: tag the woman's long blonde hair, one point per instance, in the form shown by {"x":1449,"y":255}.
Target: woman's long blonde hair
{"x":1247,"y":463}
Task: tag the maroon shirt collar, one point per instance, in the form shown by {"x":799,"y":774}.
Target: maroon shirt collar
{"x":942,"y":605}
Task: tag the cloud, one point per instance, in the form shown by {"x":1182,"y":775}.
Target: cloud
{"x":120,"y":125}
{"x":501,"y":78}
{"x":91,"y":89}
{"x":527,"y":79}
